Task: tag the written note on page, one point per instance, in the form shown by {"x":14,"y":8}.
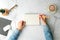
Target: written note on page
{"x":31,"y":19}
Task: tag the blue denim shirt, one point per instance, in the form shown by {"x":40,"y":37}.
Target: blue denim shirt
{"x":14,"y":35}
{"x":47,"y":32}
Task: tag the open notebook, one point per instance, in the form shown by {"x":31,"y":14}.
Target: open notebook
{"x":31,"y":19}
{"x":3,"y":23}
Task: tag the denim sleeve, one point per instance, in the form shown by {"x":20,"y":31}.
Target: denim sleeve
{"x":14,"y":35}
{"x":47,"y":33}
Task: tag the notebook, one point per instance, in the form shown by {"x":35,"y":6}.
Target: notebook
{"x":31,"y":19}
{"x":4,"y":22}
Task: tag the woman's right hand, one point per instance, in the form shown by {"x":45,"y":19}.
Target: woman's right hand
{"x":42,"y":18}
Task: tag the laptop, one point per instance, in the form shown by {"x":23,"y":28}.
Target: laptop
{"x":4,"y":22}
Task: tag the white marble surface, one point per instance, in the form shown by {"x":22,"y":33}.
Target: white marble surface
{"x":35,"y":6}
{"x":2,"y":37}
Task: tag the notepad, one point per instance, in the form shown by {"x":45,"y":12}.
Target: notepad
{"x":31,"y":19}
{"x":3,"y":23}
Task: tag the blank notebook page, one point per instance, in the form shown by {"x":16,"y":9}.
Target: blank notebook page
{"x":31,"y":19}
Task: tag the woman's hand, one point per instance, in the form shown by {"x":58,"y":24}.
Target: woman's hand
{"x":21,"y":25}
{"x":42,"y":17}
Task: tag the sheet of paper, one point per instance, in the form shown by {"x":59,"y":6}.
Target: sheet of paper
{"x":31,"y":19}
{"x":32,"y":33}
